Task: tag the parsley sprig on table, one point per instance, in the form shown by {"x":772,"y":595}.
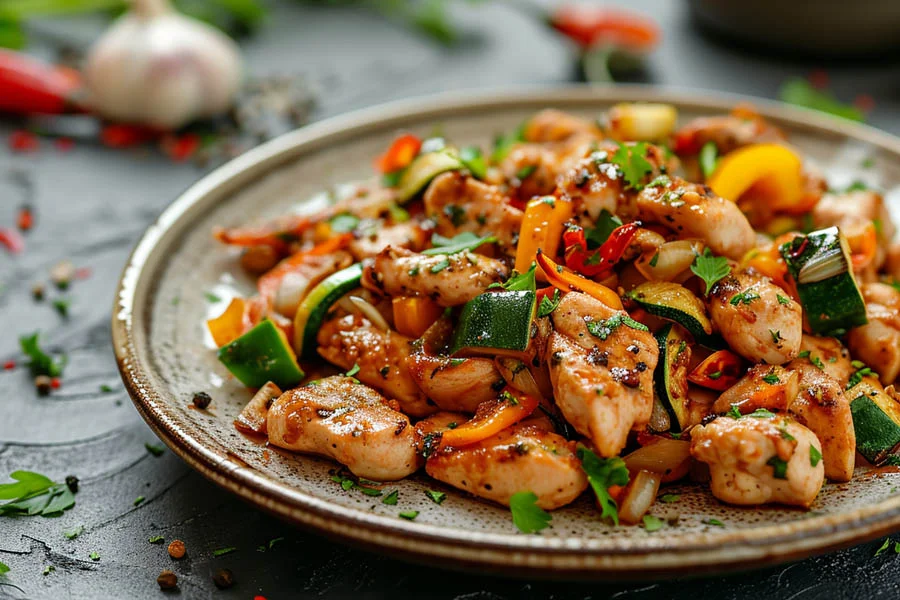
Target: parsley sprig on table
{"x":34,"y":494}
{"x":40,"y":362}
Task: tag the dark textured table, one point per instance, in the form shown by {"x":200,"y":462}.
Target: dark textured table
{"x":92,"y":204}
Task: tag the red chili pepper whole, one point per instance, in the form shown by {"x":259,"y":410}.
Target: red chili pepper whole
{"x":614,"y":247}
{"x":29,"y":86}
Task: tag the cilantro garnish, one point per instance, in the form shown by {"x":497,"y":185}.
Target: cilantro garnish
{"x":156,"y":539}
{"x":814,"y":456}
{"x":464,"y":242}
{"x":527,"y":516}
{"x":715,"y":522}
{"x":779,"y":467}
{"x":887,"y":544}
{"x":711,"y":269}
{"x":224,"y":551}
{"x":761,"y":413}
{"x":353,"y":370}
{"x":745,"y":298}
{"x":669,"y":498}
{"x":139,"y":500}
{"x":801,"y":93}
{"x":409,"y":515}
{"x":652,"y":523}
{"x":606,"y":223}
{"x":34,"y":494}
{"x":709,"y":155}
{"x":603,"y":473}
{"x":861,"y":371}
{"x":632,"y":162}
{"x":771,"y":378}
{"x":391,"y":499}
{"x":343,"y":223}
{"x":525,"y":172}
{"x":519,"y":282}
{"x":40,"y":362}
{"x":473,"y":159}
{"x":782,"y":299}
{"x":548,"y":305}
{"x":439,"y":266}
{"x":604,"y":328}
{"x":436,"y":497}
{"x":734,"y":412}
{"x":817,"y":362}
{"x":155,"y":449}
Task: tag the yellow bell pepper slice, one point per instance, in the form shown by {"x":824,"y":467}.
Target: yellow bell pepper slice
{"x":776,"y":168}
{"x":542,"y":228}
{"x":414,"y":314}
{"x":228,"y":326}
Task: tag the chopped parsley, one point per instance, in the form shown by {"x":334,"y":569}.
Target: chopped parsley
{"x":504,"y":143}
{"x":652,"y":523}
{"x":71,"y":534}
{"x":34,"y":494}
{"x":782,"y":299}
{"x":803,"y":354}
{"x":771,"y":378}
{"x":734,"y":412}
{"x":155,"y":449}
{"x":409,"y":515}
{"x":398,"y":213}
{"x":343,"y":223}
{"x":779,"y":467}
{"x":439,"y":266}
{"x":602,"y":473}
{"x":814,"y":456}
{"x":711,"y":269}
{"x":714,"y":522}
{"x":785,"y":434}
{"x":519,"y":282}
{"x":604,"y":226}
{"x":348,"y":484}
{"x":48,"y":569}
{"x":527,"y":516}
{"x":817,"y":362}
{"x":473,"y":159}
{"x":391,"y":498}
{"x":669,"y":498}
{"x":548,"y":305}
{"x":62,"y":307}
{"x":800,"y":92}
{"x":715,"y":375}
{"x":776,"y":335}
{"x":632,"y":162}
{"x":224,"y":551}
{"x":456,"y":214}
{"x":353,"y":370}
{"x":761,"y":413}
{"x":745,"y":297}
{"x":709,"y":156}
{"x":525,"y":172}
{"x":156,"y":539}
{"x":604,"y":328}
{"x":414,"y":271}
{"x":654,"y":260}
{"x":4,"y":568}
{"x":436,"y":497}
{"x":464,"y":242}
{"x":105,"y":388}
{"x":857,"y":376}
{"x":95,"y":556}
{"x":40,"y":362}
{"x":887,"y":544}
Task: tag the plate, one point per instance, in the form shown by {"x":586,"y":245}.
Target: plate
{"x":165,"y":355}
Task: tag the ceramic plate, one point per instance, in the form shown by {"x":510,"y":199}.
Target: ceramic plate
{"x":165,"y":355}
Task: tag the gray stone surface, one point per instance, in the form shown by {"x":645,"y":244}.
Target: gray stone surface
{"x":93,"y":203}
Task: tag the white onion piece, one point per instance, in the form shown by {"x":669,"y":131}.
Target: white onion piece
{"x":370,"y":312}
{"x":517,"y":375}
{"x":639,"y":497}
{"x":672,"y":259}
{"x":663,"y":456}
{"x":291,"y":291}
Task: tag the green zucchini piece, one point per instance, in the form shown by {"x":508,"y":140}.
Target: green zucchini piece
{"x":423,"y":169}
{"x":312,"y":310}
{"x":670,"y":377}
{"x":676,"y":303}
{"x":495,"y":323}
{"x":876,"y":420}
{"x":261,"y":355}
{"x":820,"y":264}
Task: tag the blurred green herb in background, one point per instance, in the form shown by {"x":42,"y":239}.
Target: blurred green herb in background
{"x":801,"y":92}
{"x":235,"y":17}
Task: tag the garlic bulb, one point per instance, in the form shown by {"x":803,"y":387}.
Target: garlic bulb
{"x":157,"y":67}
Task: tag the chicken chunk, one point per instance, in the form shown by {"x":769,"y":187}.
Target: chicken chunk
{"x":757,"y":318}
{"x":458,"y":203}
{"x":601,"y":368}
{"x":551,"y":125}
{"x":822,"y":407}
{"x":348,"y":422}
{"x":726,"y":132}
{"x":524,"y":457}
{"x":760,"y":460}
{"x":828,"y":354}
{"x":382,"y":357}
{"x":764,"y":386}
{"x":449,"y":280}
{"x":372,"y":240}
{"x":694,"y":211}
{"x":847,"y":208}
{"x":878,"y":343}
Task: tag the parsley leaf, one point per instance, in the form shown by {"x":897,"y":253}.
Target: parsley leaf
{"x":94,"y":555}
{"x":782,"y":299}
{"x":632,"y":162}
{"x":71,"y":534}
{"x":745,"y":298}
{"x":473,"y":159}
{"x":711,"y":269}
{"x":155,"y":449}
{"x":603,"y":473}
{"x":548,"y":305}
{"x":436,"y":497}
{"x":391,"y":499}
{"x":224,"y":551}
{"x":814,"y":456}
{"x":525,"y":172}
{"x":527,"y":516}
{"x":857,"y":376}
{"x":779,"y":467}
{"x":708,"y":158}
{"x":519,"y":282}
{"x":604,"y":328}
{"x":761,"y":413}
{"x":4,"y":569}
{"x":40,"y":362}
{"x":605,"y":225}
{"x":34,"y":494}
{"x":800,"y":92}
{"x":715,"y":522}
{"x":652,"y":523}
{"x":884,"y":547}
{"x":156,"y":539}
{"x":440,"y":265}
{"x":343,"y":223}
{"x":409,"y":515}
{"x":771,"y":378}
{"x":669,"y":498}
{"x":734,"y":412}
{"x":353,"y":370}
{"x":504,"y":143}
{"x":464,"y":242}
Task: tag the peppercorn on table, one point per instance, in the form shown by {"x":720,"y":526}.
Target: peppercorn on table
{"x":134,"y":498}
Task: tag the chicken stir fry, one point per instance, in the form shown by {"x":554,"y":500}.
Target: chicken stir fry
{"x":594,"y":304}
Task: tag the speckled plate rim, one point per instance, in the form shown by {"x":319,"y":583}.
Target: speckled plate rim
{"x":608,"y":557}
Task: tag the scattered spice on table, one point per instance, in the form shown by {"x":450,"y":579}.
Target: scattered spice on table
{"x":176,"y":549}
{"x":12,"y":240}
{"x":71,"y":534}
{"x":72,"y":483}
{"x":156,"y":539}
{"x":21,"y":141}
{"x":37,"y":292}
{"x":62,"y":274}
{"x":167,"y":580}
{"x":43,"y":384}
{"x":202,"y":400}
{"x":25,"y":218}
{"x":155,"y":449}
{"x":139,"y":500}
{"x":9,"y":365}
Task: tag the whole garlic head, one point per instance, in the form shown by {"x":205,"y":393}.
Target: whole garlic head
{"x":157,"y":67}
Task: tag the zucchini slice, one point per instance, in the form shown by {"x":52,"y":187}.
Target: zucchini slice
{"x":312,"y":310}
{"x":423,"y":169}
{"x":876,"y":420}
{"x":676,"y":303}
{"x":261,"y":355}
{"x":670,"y":377}
{"x":820,"y":264}
{"x":495,"y":323}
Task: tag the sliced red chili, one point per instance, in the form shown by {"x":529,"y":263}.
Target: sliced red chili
{"x":402,"y":152}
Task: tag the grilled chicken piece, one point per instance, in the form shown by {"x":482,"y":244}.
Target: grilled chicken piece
{"x":522,"y":457}
{"x":757,"y":318}
{"x":382,"y":357}
{"x":827,"y":354}
{"x":822,"y":407}
{"x":604,"y":387}
{"x":458,"y":203}
{"x":878,"y":343}
{"x":551,"y":125}
{"x":849,"y":210}
{"x":375,"y":239}
{"x":694,"y":211}
{"x":760,"y":460}
{"x":764,"y":386}
{"x":726,"y":132}
{"x":449,"y":280}
{"x":348,"y":422}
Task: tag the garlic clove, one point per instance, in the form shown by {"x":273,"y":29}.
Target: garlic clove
{"x":157,"y":67}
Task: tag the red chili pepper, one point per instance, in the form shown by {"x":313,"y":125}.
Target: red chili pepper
{"x":55,"y":383}
{"x":9,"y":365}
{"x":12,"y":240}
{"x":601,"y":260}
{"x":589,"y":25}
{"x":25,"y":219}
{"x":29,"y":86}
{"x":402,"y":152}
{"x":181,"y":148}
{"x":23,"y":141}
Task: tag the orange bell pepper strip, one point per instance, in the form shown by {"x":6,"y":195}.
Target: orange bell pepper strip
{"x":277,"y":233}
{"x":542,"y":228}
{"x":719,"y":371}
{"x":491,"y":417}
{"x":773,"y":167}
{"x":568,"y":281}
{"x":402,"y":152}
{"x":414,"y":314}
{"x":228,"y":326}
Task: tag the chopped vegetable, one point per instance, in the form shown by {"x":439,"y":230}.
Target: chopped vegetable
{"x":671,"y":375}
{"x":708,"y":158}
{"x":491,"y":417}
{"x":676,"y":303}
{"x":413,"y":315}
{"x":399,"y":155}
{"x":422,"y":170}
{"x":633,"y":163}
{"x":34,"y":494}
{"x":40,"y":362}
{"x":542,"y":227}
{"x":229,"y":325}
{"x":567,"y":281}
{"x":312,"y":310}
{"x":495,"y":323}
{"x":262,"y":354}
{"x":775,"y":167}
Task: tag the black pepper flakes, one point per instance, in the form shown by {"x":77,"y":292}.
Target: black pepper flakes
{"x":72,"y":483}
{"x":202,"y":400}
